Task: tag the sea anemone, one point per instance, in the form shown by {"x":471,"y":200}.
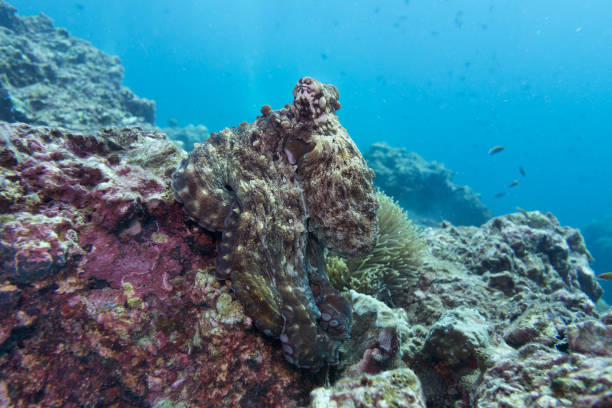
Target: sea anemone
{"x":392,"y":266}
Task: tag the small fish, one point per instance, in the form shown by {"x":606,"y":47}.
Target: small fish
{"x":522,"y":170}
{"x":605,"y":275}
{"x":496,"y":149}
{"x":500,"y":195}
{"x":513,"y":184}
{"x":523,"y":211}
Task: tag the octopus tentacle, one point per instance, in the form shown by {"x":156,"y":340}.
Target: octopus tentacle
{"x":280,"y":190}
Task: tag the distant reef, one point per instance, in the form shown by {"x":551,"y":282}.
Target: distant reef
{"x":424,"y":189}
{"x":598,"y":235}
{"x":48,"y":77}
{"x":187,"y":136}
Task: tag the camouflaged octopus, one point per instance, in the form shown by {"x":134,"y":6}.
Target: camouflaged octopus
{"x":281,"y":190}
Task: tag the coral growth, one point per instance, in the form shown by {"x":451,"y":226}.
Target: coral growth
{"x":281,"y":190}
{"x":393,"y":264}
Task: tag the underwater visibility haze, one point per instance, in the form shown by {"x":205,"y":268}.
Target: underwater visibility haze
{"x":318,"y":203}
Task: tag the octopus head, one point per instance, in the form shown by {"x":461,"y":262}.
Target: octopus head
{"x":312,"y":99}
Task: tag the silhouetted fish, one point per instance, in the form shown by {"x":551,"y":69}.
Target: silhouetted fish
{"x":513,"y":184}
{"x":496,"y":149}
{"x":458,"y":19}
{"x":523,"y":211}
{"x":500,"y":195}
{"x":522,"y":170}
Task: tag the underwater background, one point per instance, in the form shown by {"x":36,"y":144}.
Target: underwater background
{"x":446,"y":79}
{"x":149,"y":258}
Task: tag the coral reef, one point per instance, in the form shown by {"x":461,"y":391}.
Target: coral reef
{"x":107,"y":292}
{"x":424,"y":189}
{"x":49,"y":78}
{"x":281,"y":190}
{"x":391,"y":266}
{"x":103,"y":277}
{"x":108,"y":295}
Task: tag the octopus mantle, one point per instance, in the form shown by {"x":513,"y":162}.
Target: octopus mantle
{"x":281,"y":190}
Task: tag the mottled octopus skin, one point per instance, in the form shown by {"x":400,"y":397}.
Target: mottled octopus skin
{"x":281,"y":190}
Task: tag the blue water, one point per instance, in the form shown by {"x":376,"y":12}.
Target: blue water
{"x":447,"y":79}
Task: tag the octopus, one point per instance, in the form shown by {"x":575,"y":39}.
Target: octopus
{"x":283,"y":191}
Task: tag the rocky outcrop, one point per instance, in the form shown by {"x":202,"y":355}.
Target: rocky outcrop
{"x":48,"y":77}
{"x":494,"y":305}
{"x":424,"y":189}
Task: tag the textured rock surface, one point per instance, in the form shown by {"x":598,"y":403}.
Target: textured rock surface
{"x":458,"y":336}
{"x":49,"y":78}
{"x":394,"y":388}
{"x":484,"y":298}
{"x":542,"y":377}
{"x":282,"y":190}
{"x":528,"y":279}
{"x":380,"y":338}
{"x":102,"y":278}
{"x":424,"y":189}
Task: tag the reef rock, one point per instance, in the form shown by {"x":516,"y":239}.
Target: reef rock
{"x":526,"y":282}
{"x":49,"y":78}
{"x":394,"y":388}
{"x":424,"y":189}
{"x":492,"y":306}
{"x":107,"y":291}
{"x":282,"y":190}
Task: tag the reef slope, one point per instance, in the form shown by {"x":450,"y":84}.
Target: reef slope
{"x":48,"y":77}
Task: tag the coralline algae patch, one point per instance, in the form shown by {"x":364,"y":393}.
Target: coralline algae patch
{"x":281,"y":190}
